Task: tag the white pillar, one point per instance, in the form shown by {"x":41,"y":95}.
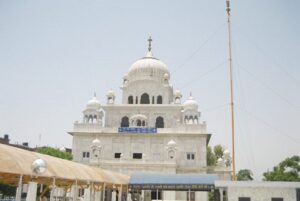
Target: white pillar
{"x":221,"y":194}
{"x":143,"y":195}
{"x":52,"y":193}
{"x":129,"y":197}
{"x":120,"y":193}
{"x":87,"y":194}
{"x":93,"y":190}
{"x":19,"y":189}
{"x":31,"y":193}
{"x":74,"y":192}
{"x":113,"y":195}
{"x":103,"y":192}
{"x":97,"y":196}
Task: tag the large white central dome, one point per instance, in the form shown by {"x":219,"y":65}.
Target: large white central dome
{"x":148,"y":67}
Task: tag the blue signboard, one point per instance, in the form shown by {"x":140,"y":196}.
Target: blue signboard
{"x":136,"y":130}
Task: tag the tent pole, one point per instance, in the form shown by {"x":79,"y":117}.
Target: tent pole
{"x":103,"y":197}
{"x":19,"y":189}
{"x":52,"y":190}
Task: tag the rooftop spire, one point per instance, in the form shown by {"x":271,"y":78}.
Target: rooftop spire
{"x":149,"y":46}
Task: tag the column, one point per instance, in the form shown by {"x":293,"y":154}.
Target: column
{"x":120,"y":193}
{"x":19,"y":189}
{"x":221,"y":194}
{"x":113,"y":195}
{"x":103,"y":192}
{"x":87,"y":194}
{"x":31,"y":193}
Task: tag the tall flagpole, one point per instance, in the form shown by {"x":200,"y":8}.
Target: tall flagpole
{"x":231,"y":90}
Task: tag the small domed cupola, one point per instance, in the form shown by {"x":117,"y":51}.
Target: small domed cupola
{"x":110,"y":97}
{"x":93,"y":104}
{"x":190,"y":104}
{"x":177,"y":97}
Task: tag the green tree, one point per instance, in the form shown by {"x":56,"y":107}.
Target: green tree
{"x":244,"y":175}
{"x":287,"y":170}
{"x":212,"y":154}
{"x":7,"y":190}
{"x":211,"y":158}
{"x":219,"y":151}
{"x":55,"y":152}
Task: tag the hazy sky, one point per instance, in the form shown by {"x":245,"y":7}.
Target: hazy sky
{"x":55,"y":54}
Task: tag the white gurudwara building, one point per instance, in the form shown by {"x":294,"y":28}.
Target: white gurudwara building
{"x":152,"y":130}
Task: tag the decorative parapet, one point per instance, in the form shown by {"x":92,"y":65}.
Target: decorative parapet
{"x":98,"y":128}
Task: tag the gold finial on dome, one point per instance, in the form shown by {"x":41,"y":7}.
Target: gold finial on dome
{"x":149,"y":46}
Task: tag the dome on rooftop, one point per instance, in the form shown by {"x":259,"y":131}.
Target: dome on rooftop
{"x":148,"y":67}
{"x":190,"y":104}
{"x":93,"y":103}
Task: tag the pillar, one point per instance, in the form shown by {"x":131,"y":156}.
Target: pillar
{"x":87,"y":194}
{"x":19,"y":189}
{"x":103,"y":192}
{"x":221,"y":194}
{"x":97,"y":196}
{"x":113,"y":195}
{"x":74,"y":192}
{"x":120,"y":193}
{"x":31,"y":193}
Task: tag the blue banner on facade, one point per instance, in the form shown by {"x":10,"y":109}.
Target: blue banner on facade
{"x":136,"y":130}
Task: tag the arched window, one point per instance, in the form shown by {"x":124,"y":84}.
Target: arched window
{"x":139,"y":122}
{"x":136,"y":100}
{"x":195,"y":120}
{"x":90,"y":119}
{"x":145,"y":99}
{"x":159,"y":100}
{"x":159,"y":122}
{"x":125,"y":122}
{"x":143,"y":123}
{"x":130,"y":100}
{"x":191,"y":119}
{"x":186,"y":119}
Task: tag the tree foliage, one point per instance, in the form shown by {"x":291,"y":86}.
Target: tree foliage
{"x":54,"y":152}
{"x":213,"y":154}
{"x":244,"y":175}
{"x":287,"y":170}
{"x":219,"y":151}
{"x":211,"y":158}
{"x":7,"y":190}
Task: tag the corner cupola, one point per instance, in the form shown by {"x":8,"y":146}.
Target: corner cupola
{"x":93,"y":104}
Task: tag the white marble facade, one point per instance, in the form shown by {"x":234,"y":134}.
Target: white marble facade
{"x":164,"y":133}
